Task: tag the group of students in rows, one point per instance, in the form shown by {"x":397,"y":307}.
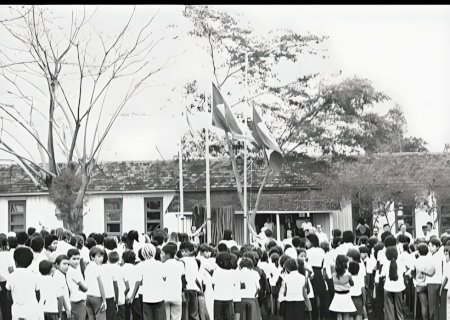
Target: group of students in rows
{"x":59,"y":275}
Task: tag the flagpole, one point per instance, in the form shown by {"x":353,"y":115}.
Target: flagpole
{"x":180,"y":164}
{"x":208,"y":191}
{"x":245,"y":154}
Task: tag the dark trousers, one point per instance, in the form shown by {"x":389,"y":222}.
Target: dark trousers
{"x":190,"y":305}
{"x":154,"y":311}
{"x":79,"y":310}
{"x":5,"y":305}
{"x":443,"y":305}
{"x":223,"y":310}
{"x":379,"y":301}
{"x":135,"y":309}
{"x":51,"y":316}
{"x":110,"y":309}
{"x":393,"y":305}
{"x":329,"y":298}
{"x":121,"y":313}
{"x":433,"y":300}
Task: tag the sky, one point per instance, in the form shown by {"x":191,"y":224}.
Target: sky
{"x":403,"y":50}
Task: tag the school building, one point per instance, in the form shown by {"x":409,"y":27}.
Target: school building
{"x":145,"y":195}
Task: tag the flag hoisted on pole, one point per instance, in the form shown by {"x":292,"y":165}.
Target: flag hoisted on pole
{"x":245,"y":153}
{"x":180,"y":164}
{"x":208,"y":191}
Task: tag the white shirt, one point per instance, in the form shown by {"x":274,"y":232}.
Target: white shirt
{"x":152,"y":273}
{"x":225,"y":283}
{"x":191,"y":272}
{"x":390,"y":285}
{"x":91,"y":274}
{"x":73,"y":277}
{"x":292,"y":286}
{"x":356,"y":289}
{"x":4,"y":264}
{"x":322,"y":236}
{"x":61,"y":248}
{"x":291,"y":252}
{"x":249,"y":282}
{"x":343,"y":248}
{"x":409,"y":235}
{"x":420,"y":263}
{"x":108,"y":275}
{"x":117,"y":272}
{"x":23,"y":284}
{"x":38,"y":257}
{"x":316,"y":257}
{"x":84,"y":253}
{"x":62,"y":285}
{"x":130,"y":275}
{"x":174,"y":270}
{"x":447,"y":274}
{"x":438,"y":261}
{"x":50,"y":292}
{"x":229,"y":243}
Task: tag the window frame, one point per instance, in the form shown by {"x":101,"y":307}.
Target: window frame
{"x":120,"y":200}
{"x":160,"y":210}
{"x":24,"y":202}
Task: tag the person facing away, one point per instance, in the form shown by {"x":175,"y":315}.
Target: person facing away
{"x":96,"y":299}
{"x":23,"y":287}
{"x":51,"y":293}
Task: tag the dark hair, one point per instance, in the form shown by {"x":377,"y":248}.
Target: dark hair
{"x":251,"y":256}
{"x":222,"y":247}
{"x":354,"y":254}
{"x":384,"y":235}
{"x":423,"y":249}
{"x":268,"y":233}
{"x":48,"y":240}
{"x":275,"y":258}
{"x":341,"y":265}
{"x":265,"y":255}
{"x":246,"y":263}
{"x":109,"y":243}
{"x":23,"y":257}
{"x":12,"y":242}
{"x":31,"y":231}
{"x":406,"y":247}
{"x":379,"y":246}
{"x":171,"y":249}
{"x":22,"y":237}
{"x":301,"y":266}
{"x":113,"y":257}
{"x":95,"y":251}
{"x":44,"y":233}
{"x":271,"y":244}
{"x":133,"y":235}
{"x":390,"y":241}
{"x":386,"y":225}
{"x":325,"y":246}
{"x":364,"y":249}
{"x":234,"y":261}
{"x":336,"y":242}
{"x":313,"y":239}
{"x":187,"y":245}
{"x":336,"y":233}
{"x":348,"y":236}
{"x":429,"y":223}
{"x":3,"y":241}
{"x":97,"y":237}
{"x":227,"y":234}
{"x":159,"y":236}
{"x":223,"y":260}
{"x":353,"y":268}
{"x":290,"y":265}
{"x":45,"y":267}
{"x":372,"y":242}
{"x":128,"y":256}
{"x":80,"y":241}
{"x":283,"y":259}
{"x":73,"y":252}
{"x":60,"y":259}
{"x":363,"y":240}
{"x":90,"y":243}
{"x":124,"y":237}
{"x":392,"y":255}
{"x":436,"y":242}
{"x":37,"y":244}
{"x":203,"y":247}
{"x":296,"y":241}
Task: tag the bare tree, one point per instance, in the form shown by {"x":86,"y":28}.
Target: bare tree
{"x":63,"y":72}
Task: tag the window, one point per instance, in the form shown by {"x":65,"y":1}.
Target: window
{"x":16,"y":215}
{"x":113,"y":216}
{"x":153,"y":214}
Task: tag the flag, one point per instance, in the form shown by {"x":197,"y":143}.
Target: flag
{"x":222,"y":117}
{"x":263,"y":138}
{"x":191,"y":131}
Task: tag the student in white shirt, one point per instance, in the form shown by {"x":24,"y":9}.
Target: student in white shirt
{"x":151,"y":276}
{"x":437,"y":259}
{"x":316,"y":258}
{"x":444,"y":292}
{"x":37,"y":246}
{"x":191,"y":273}
{"x":96,"y":299}
{"x":62,"y":265}
{"x":109,"y":280}
{"x":130,"y":277}
{"x":77,"y":286}
{"x":173,"y":283}
{"x":224,"y":281}
{"x":228,"y":239}
{"x":22,"y":287}
{"x":121,"y":285}
{"x":249,"y":286}
{"x":293,"y":292}
{"x":51,"y":294}
{"x":394,"y":285}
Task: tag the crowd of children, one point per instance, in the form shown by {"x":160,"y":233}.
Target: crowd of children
{"x":59,"y":275}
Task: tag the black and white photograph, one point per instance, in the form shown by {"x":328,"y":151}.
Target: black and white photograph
{"x":224,"y":162}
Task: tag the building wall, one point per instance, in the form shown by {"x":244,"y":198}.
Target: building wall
{"x":40,"y":211}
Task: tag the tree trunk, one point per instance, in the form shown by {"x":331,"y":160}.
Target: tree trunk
{"x":74,"y":219}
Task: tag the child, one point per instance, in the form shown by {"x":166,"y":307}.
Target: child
{"x":224,"y":281}
{"x":191,"y":272}
{"x":109,"y":280}
{"x":23,"y":286}
{"x":130,"y":278}
{"x":173,"y":284}
{"x":356,"y":290}
{"x":249,"y":286}
{"x":444,"y":292}
{"x":62,"y":265}
{"x":51,"y":294}
{"x":293,"y":292}
{"x":77,"y":286}
{"x":122,"y":285}
{"x":342,"y":302}
{"x":151,"y":276}
{"x":394,"y":285}
{"x":96,"y":299}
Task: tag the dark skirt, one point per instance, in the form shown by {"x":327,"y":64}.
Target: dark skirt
{"x":318,"y":282}
{"x":358,"y":302}
{"x":250,"y":309}
{"x":223,"y":310}
{"x":154,"y":311}
{"x":293,"y":310}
